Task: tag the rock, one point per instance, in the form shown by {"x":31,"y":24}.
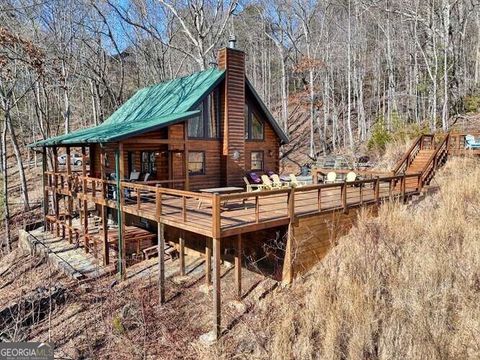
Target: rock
{"x":238,"y":306}
{"x":206,"y":289}
{"x":208,"y":339}
{"x":180,"y":279}
{"x":228,"y":264}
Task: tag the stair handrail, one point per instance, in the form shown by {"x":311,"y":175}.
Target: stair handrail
{"x":433,"y":157}
{"x":405,"y":158}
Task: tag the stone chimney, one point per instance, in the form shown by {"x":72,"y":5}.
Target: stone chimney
{"x":233,"y":61}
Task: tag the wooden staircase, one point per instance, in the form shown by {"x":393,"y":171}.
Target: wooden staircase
{"x":424,"y":157}
{"x":420,"y":161}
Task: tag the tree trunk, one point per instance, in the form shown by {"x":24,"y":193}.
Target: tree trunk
{"x":6,"y":208}
{"x":18,"y":156}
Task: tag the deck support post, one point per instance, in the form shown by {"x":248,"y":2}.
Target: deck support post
{"x":161,"y":262}
{"x":238,"y":266}
{"x":69,"y":196}
{"x":403,"y":188}
{"x":217,"y":315}
{"x":344,"y":197}
{"x":208,"y":262}
{"x":181,"y":242}
{"x":287,"y":273}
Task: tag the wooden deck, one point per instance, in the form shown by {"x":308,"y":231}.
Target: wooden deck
{"x":243,"y":212}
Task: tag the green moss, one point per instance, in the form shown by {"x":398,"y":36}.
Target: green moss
{"x":118,"y":325}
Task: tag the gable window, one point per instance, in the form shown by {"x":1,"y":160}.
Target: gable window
{"x":147,"y":159}
{"x":256,"y":160}
{"x":206,"y":125}
{"x":196,"y":163}
{"x":254,"y":128}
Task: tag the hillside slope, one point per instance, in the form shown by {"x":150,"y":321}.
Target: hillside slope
{"x":404,"y":285}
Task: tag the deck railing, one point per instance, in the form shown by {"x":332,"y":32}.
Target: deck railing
{"x":212,"y":214}
{"x":285,"y":205}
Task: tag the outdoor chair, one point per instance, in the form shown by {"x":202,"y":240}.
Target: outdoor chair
{"x":471,"y":143}
{"x":134,"y":176}
{"x":331,"y":177}
{"x":252,"y":187}
{"x":351,"y":177}
{"x":268,"y":183}
{"x":277,"y":182}
{"x":253,"y":178}
{"x":295,"y":182}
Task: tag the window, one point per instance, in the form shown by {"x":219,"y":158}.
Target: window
{"x":257,"y":128}
{"x":207,"y":123}
{"x":196,"y":163}
{"x":195,"y":125}
{"x":131,"y":161}
{"x":253,"y":125}
{"x":148,"y":162}
{"x":256,"y":160}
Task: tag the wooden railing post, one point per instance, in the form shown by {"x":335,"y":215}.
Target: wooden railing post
{"x":158,"y":201}
{"x":291,"y":205}
{"x":344,"y":197}
{"x":184,"y":208}
{"x":257,"y":209}
{"x":377,"y":190}
{"x":403,"y":188}
{"x":216,"y":216}
{"x":361,"y":193}
{"x":390,"y":190}
{"x":138,"y":198}
{"x":319,"y":199}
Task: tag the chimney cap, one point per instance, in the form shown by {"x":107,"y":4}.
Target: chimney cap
{"x":231,"y":41}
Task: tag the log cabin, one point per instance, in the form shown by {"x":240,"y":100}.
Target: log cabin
{"x":166,"y":170}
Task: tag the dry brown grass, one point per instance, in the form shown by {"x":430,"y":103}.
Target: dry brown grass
{"x":392,"y":154}
{"x":404,"y":285}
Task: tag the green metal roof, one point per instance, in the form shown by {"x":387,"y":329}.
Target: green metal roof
{"x":155,"y":107}
{"x":150,"y":108}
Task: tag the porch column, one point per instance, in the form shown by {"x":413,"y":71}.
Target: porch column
{"x":106,"y":249}
{"x":238,"y":266}
{"x":69,"y":194}
{"x":55,"y":194}
{"x":84,"y":201}
{"x":119,"y":175}
{"x":161,"y":262}
{"x":185,"y":154}
{"x":44,"y":188}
